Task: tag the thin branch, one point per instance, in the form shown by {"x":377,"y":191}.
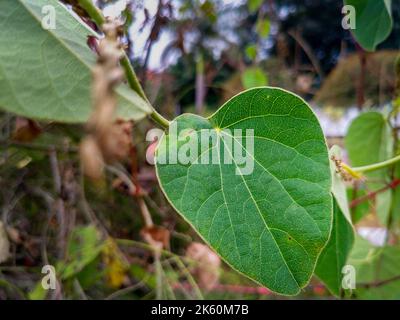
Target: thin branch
{"x":129,"y":289}
{"x":394,"y":184}
{"x":307,"y":49}
{"x":59,"y":203}
{"x":38,"y":147}
{"x":379,"y":283}
{"x":145,"y":212}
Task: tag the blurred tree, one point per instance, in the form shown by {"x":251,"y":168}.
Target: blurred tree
{"x":319,"y":24}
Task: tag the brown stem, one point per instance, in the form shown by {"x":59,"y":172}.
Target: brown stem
{"x":59,"y":204}
{"x":394,"y":184}
{"x":379,"y":283}
{"x":148,"y":221}
{"x":296,"y":35}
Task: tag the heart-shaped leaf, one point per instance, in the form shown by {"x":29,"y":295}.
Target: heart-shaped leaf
{"x":257,"y":190}
{"x":45,"y":69}
{"x":373,"y":21}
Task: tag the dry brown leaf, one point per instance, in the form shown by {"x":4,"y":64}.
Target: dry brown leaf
{"x":26,"y":130}
{"x":156,"y":236}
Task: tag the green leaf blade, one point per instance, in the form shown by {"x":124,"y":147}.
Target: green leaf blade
{"x":373,"y":22}
{"x":271,"y":224}
{"x":254,"y":77}
{"x":377,"y":270}
{"x":334,"y":256}
{"x":46,"y":74}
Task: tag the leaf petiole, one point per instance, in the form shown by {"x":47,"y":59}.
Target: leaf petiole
{"x":377,"y":166}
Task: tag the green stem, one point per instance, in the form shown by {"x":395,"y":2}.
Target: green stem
{"x":132,"y":78}
{"x":133,"y":81}
{"x":135,"y":85}
{"x":93,"y":11}
{"x":158,"y":118}
{"x":377,"y":166}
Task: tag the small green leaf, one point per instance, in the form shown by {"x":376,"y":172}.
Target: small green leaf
{"x":46,"y":73}
{"x":334,"y":256}
{"x":251,"y":52}
{"x":84,"y":246}
{"x":373,"y":21}
{"x":254,"y":77}
{"x":271,"y":222}
{"x":208,"y":9}
{"x":254,"y":5}
{"x":38,"y":292}
{"x":263,"y":27}
{"x":369,"y":140}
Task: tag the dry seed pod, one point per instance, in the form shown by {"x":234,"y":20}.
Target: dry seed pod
{"x":91,"y":158}
{"x":109,"y":140}
{"x":116,"y":143}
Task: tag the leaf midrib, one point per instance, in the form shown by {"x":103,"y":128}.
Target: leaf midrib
{"x":259,"y":212}
{"x":275,"y":178}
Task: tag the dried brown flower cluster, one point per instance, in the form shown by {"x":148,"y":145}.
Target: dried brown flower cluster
{"x":340,"y":169}
{"x":109,"y":139}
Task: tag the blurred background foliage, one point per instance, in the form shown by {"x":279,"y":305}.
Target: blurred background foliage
{"x":211,"y":50}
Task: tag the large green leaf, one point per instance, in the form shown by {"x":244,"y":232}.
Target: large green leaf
{"x":369,"y":140}
{"x":272,"y":222}
{"x":334,"y":256}
{"x":373,"y":21}
{"x":46,"y":74}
